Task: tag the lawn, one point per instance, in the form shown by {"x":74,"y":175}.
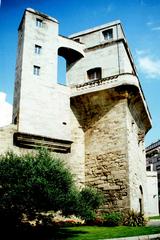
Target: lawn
{"x":77,"y":233}
{"x":96,"y":233}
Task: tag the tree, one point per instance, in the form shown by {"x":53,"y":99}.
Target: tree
{"x":38,"y":182}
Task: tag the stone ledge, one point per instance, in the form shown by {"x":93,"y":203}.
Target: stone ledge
{"x":32,"y":141}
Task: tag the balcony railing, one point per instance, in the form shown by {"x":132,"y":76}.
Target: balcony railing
{"x":98,"y":82}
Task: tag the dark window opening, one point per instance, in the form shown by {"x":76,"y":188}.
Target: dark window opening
{"x":108,"y":34}
{"x":37,"y":49}
{"x":94,"y":74}
{"x":141,"y":189}
{"x":140,"y":205}
{"x":36,"y":70}
{"x":39,"y":22}
{"x":148,"y":168}
{"x":77,"y":39}
{"x":141,"y":201}
{"x":15,"y":120}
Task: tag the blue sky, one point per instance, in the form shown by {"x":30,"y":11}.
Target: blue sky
{"x":141,"y":23}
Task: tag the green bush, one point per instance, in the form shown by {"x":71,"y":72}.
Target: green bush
{"x":112,"y":219}
{"x":89,"y":200}
{"x":133,"y":219}
{"x":36,"y":183}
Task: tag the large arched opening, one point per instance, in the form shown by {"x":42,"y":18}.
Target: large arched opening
{"x":66,"y":57}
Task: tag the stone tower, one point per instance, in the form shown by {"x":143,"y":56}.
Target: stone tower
{"x":41,"y":106}
{"x":110,"y":107}
{"x":97,"y":122}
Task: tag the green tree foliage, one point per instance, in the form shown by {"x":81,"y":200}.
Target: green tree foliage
{"x":38,"y":182}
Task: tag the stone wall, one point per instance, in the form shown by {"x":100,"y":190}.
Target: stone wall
{"x":74,"y":160}
{"x":137,"y":166}
{"x":6,"y":139}
{"x":102,"y":116}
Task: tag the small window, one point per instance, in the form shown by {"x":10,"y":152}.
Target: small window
{"x":36,"y":70}
{"x":148,"y":168}
{"x":108,"y":34}
{"x":39,"y":23}
{"x":77,"y":39}
{"x":94,"y":74}
{"x":37,"y":49}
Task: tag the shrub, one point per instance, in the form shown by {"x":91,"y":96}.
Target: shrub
{"x":89,"y":201}
{"x":32,"y":184}
{"x":112,"y":219}
{"x":133,"y":218}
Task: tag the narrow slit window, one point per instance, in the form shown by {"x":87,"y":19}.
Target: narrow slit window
{"x":36,"y":70}
{"x":108,"y":34}
{"x":94,"y":74}
{"x":39,"y":23}
{"x":37,"y":49}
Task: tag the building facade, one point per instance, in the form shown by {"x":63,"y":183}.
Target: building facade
{"x":153,"y":161}
{"x":97,"y":121}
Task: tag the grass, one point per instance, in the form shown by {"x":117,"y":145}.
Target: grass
{"x":77,"y":232}
{"x":155,"y":217}
{"x":96,"y":233}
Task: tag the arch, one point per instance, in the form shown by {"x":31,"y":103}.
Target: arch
{"x":69,"y":54}
{"x":70,"y":49}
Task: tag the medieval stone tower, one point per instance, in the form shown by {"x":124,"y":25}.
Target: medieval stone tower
{"x":97,"y":122}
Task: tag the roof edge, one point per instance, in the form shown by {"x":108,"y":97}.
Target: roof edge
{"x":95,"y":29}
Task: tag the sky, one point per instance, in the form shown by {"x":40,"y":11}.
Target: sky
{"x":141,"y":23}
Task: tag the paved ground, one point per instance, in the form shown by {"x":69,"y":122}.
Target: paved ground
{"x":145,"y":237}
{"x":154,"y":222}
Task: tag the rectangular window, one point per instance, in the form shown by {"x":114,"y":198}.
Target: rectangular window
{"x":36,"y":70}
{"x":108,"y":34}
{"x":39,"y":23}
{"x":94,"y":74}
{"x":37,"y":49}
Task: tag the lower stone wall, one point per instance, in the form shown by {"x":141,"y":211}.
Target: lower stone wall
{"x":137,"y":161}
{"x":6,"y":139}
{"x":106,"y":166}
{"x":74,"y":160}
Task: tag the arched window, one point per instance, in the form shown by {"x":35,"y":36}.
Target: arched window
{"x":94,"y":73}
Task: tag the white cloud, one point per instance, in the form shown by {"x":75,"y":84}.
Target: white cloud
{"x":156,"y":28}
{"x":149,"y":23}
{"x":5,"y":111}
{"x":149,"y":66}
